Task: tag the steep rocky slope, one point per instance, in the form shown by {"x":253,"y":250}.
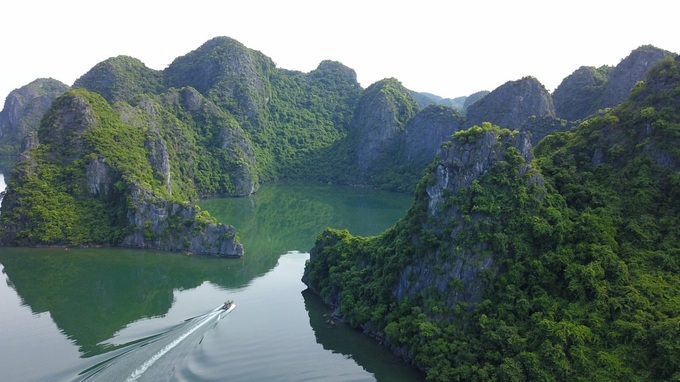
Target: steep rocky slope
{"x":23,"y":109}
{"x":589,"y":89}
{"x":524,"y":104}
{"x":223,"y":118}
{"x":629,"y":71}
{"x":231,"y":75}
{"x":87,"y":180}
{"x":511,"y":104}
{"x":558,"y":267}
{"x":384,"y":109}
{"x":580,"y":94}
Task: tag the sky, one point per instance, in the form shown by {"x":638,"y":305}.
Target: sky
{"x":448,"y":48}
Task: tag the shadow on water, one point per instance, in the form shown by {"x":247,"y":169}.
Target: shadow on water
{"x":93,"y":293}
{"x":340,"y":338}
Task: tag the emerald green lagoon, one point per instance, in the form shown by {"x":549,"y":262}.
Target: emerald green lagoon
{"x":118,"y":314}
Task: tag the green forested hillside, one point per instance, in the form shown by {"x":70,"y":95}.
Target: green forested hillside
{"x":290,"y":116}
{"x":93,"y":177}
{"x":563,"y":267}
{"x":49,"y":198}
{"x":121,"y":78}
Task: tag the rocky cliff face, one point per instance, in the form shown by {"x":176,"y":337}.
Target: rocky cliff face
{"x":590,"y":89}
{"x":425,"y":133}
{"x":580,"y":94}
{"x":228,"y":141}
{"x":170,"y":226}
{"x":23,"y":110}
{"x":90,"y":182}
{"x":463,"y":163}
{"x":231,"y":75}
{"x":506,"y":267}
{"x":382,"y":114}
{"x":523,"y":105}
{"x":444,"y":255}
{"x":629,"y":71}
{"x":511,"y":104}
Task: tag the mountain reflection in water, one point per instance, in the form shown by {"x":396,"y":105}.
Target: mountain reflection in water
{"x":71,"y":314}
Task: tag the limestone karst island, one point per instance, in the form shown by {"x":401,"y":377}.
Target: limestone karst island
{"x":542,"y":242}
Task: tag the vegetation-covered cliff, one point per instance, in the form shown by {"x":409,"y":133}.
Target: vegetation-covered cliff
{"x":89,"y":180}
{"x":588,"y":90}
{"x":561,"y":265}
{"x":223,"y":118}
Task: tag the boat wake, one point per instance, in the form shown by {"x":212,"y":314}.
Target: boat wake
{"x":155,"y":357}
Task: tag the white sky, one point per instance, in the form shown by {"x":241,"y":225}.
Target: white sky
{"x":449,"y":48}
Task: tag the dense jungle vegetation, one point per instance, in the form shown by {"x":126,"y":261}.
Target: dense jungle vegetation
{"x":584,"y":247}
{"x":53,"y":196}
{"x":562,"y":266}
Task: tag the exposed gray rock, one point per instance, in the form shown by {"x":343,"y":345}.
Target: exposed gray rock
{"x":511,"y":104}
{"x":23,"y":110}
{"x":228,"y":73}
{"x":426,"y":131}
{"x":580,"y":94}
{"x":159,"y":159}
{"x":459,"y":165}
{"x":629,"y":71}
{"x":98,"y":176}
{"x":383,"y":111}
{"x":589,"y":89}
{"x":463,"y":162}
{"x":160,"y":224}
{"x":231,"y":138}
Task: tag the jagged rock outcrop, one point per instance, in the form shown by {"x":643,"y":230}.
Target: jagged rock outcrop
{"x":231,"y":75}
{"x":523,"y":105}
{"x":425,"y":133}
{"x":382,"y":114}
{"x":460,"y":164}
{"x":23,"y":110}
{"x":511,"y":104}
{"x":121,"y":78}
{"x":170,"y":226}
{"x":402,"y":161}
{"x":580,"y":94}
{"x":629,"y":71}
{"x":589,"y":89}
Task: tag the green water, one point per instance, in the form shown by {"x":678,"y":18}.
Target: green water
{"x":72,"y":313}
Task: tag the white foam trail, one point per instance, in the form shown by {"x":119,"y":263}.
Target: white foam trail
{"x":138,"y":373}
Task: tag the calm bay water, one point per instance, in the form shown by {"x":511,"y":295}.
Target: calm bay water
{"x":117,"y":314}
